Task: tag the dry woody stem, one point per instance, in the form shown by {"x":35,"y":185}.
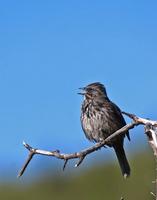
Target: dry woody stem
{"x":150,"y":130}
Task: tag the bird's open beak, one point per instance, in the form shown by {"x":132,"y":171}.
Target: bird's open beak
{"x":83,"y":91}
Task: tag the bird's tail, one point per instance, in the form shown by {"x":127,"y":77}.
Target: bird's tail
{"x":124,"y":165}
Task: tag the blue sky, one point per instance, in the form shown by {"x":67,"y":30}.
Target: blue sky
{"x":51,"y":48}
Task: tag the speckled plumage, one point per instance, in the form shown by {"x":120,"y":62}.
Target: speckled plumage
{"x":100,"y":117}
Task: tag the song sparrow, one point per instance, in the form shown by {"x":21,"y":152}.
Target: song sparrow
{"x":100,"y":117}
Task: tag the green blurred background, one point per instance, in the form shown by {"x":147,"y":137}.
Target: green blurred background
{"x":98,"y":181}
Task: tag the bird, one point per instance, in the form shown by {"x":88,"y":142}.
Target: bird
{"x":100,"y":118}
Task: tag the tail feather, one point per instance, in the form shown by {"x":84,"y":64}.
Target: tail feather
{"x":124,"y":165}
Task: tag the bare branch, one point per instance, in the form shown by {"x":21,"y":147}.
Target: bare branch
{"x":82,"y":154}
{"x":140,"y":120}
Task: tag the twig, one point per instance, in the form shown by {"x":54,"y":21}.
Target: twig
{"x":82,"y":154}
{"x":30,"y":156}
{"x":65,"y":163}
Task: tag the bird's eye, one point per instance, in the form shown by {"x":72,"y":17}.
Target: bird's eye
{"x":90,"y":90}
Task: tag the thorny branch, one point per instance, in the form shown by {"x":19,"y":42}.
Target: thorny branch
{"x":150,"y":130}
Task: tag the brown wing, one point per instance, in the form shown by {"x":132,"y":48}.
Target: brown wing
{"x":115,"y":117}
{"x":120,"y":119}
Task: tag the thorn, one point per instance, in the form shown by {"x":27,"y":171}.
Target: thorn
{"x":18,"y":176}
{"x":55,"y":151}
{"x":65,"y":163}
{"x":27,"y":146}
{"x":80,"y":161}
{"x":132,"y":116}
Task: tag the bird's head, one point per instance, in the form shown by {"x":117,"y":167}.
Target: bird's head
{"x":94,"y":90}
